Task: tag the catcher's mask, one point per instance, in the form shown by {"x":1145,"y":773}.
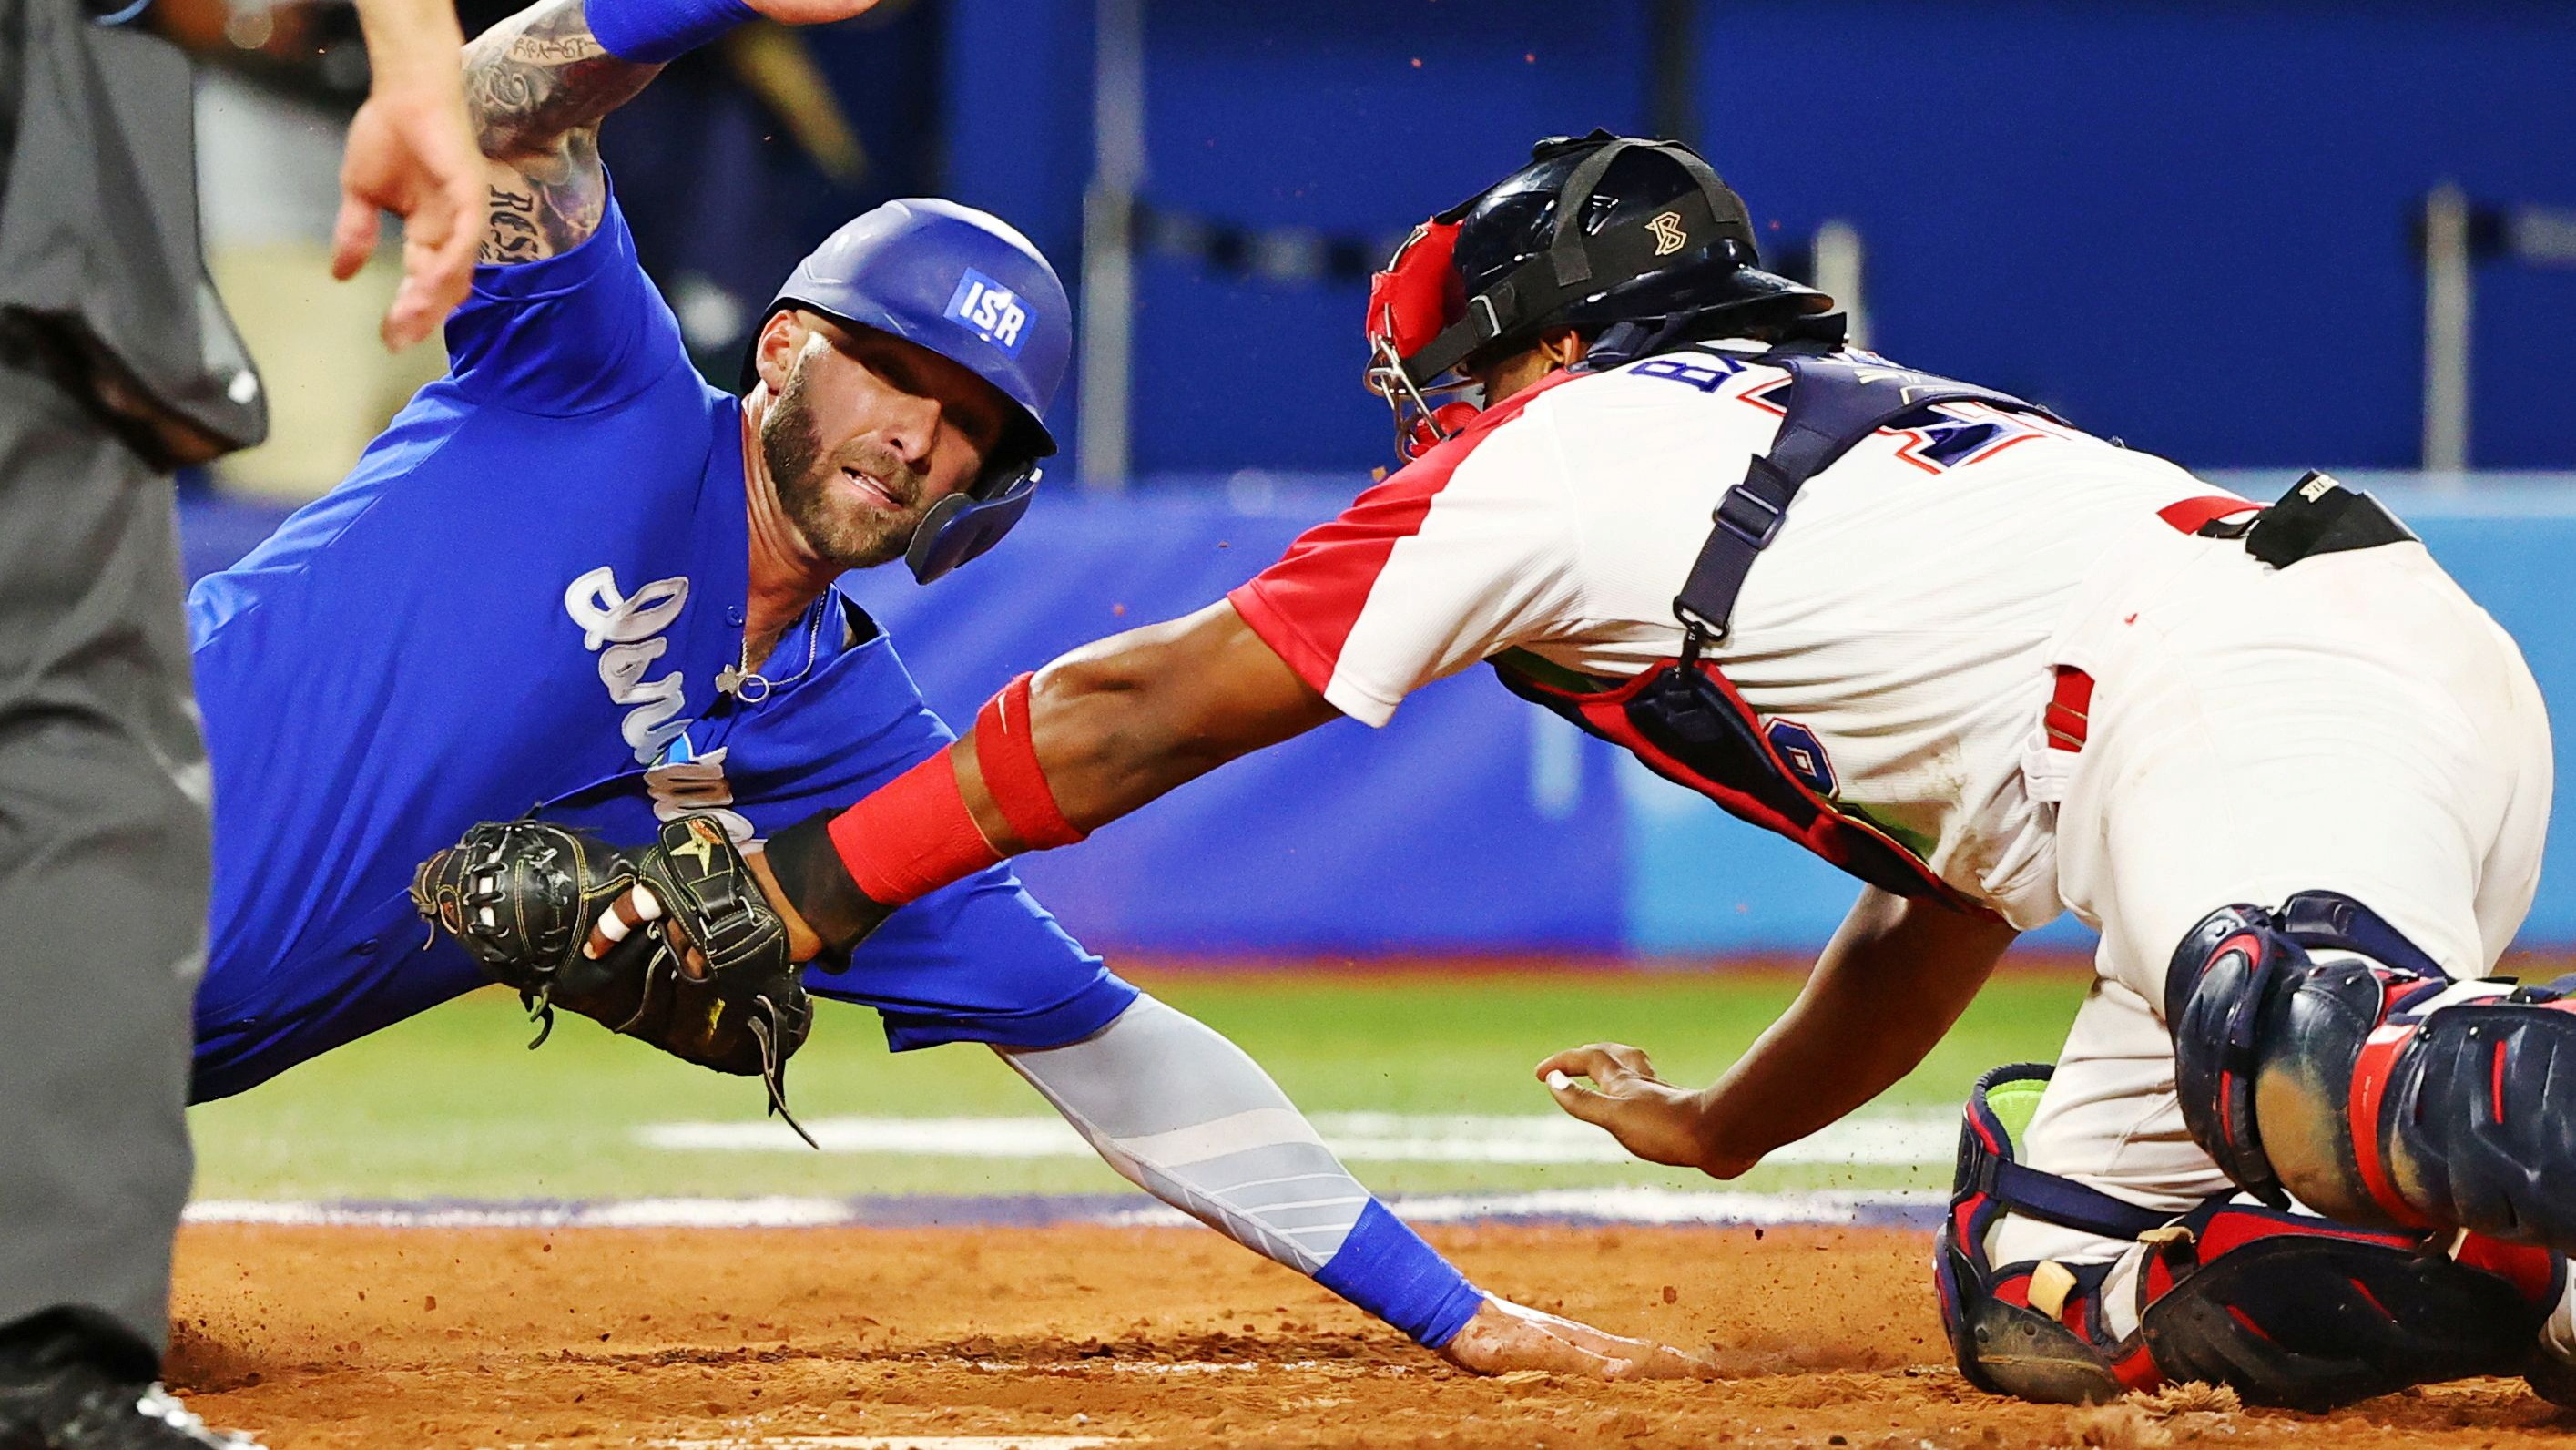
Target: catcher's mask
{"x":1597,"y":229}
{"x":968,"y":287}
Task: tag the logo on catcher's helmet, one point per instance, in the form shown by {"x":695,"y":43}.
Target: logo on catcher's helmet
{"x":1667,"y":227}
{"x":992,"y":310}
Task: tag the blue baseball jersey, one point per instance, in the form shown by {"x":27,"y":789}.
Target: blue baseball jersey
{"x":520,"y":599}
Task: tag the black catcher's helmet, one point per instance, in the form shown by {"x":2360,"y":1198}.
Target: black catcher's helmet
{"x":1596,"y":230}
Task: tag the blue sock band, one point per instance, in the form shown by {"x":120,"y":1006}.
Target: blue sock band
{"x":1385,"y":1268}
{"x":649,"y":32}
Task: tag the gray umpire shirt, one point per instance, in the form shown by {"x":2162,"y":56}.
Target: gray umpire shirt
{"x":101,"y":272}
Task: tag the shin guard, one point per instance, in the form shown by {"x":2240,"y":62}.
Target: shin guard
{"x":2285,"y":1308}
{"x":2374,"y":1089}
{"x":2028,"y":1330}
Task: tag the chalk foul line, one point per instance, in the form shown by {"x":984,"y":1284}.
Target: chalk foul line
{"x":1907,"y":1208}
{"x":1540,"y":1139}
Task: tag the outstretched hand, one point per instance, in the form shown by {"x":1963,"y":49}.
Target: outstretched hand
{"x":1651,"y":1118}
{"x":411,"y":152}
{"x":1507,"y":1338}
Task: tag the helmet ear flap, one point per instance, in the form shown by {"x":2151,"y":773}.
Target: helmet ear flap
{"x":963,"y":525}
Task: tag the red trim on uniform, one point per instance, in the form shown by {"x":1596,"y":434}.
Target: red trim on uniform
{"x":1305,"y":606}
{"x":2363,"y":1290}
{"x":1006,"y":749}
{"x":2069,"y":710}
{"x":2369,"y":1082}
{"x":2190,"y":514}
{"x":2532,"y":1271}
{"x":1760,"y":397}
{"x":2014,"y":1291}
{"x":911,"y":836}
{"x":2495,"y":1081}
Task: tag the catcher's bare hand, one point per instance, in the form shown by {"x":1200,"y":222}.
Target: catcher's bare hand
{"x":1651,"y":1118}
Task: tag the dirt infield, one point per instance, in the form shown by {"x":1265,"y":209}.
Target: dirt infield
{"x":816,"y":1338}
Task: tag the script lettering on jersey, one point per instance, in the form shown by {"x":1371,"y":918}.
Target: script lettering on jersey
{"x":626,"y":632}
{"x":683,"y":784}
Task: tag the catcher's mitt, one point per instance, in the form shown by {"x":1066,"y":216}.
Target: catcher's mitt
{"x":709,"y":981}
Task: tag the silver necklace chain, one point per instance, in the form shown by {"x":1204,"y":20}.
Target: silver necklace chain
{"x":750,"y":686}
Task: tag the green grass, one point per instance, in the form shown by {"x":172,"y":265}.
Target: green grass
{"x":449,"y":1105}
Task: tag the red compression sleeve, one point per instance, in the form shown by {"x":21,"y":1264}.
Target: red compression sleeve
{"x":911,"y":836}
{"x":1007,"y":750}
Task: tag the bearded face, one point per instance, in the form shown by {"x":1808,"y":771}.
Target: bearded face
{"x":857,"y":504}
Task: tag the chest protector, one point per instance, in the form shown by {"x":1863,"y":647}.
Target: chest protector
{"x":1681,"y":717}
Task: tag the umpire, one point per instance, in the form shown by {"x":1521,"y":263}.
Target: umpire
{"x":117,"y":365}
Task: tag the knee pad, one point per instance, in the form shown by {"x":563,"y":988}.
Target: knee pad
{"x":2366,"y":1082}
{"x":2285,"y":1308}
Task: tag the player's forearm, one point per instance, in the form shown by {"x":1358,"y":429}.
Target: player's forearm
{"x":410,"y":42}
{"x":542,"y":78}
{"x":1101,"y":732}
{"x":1887,"y":989}
{"x":1123,"y":721}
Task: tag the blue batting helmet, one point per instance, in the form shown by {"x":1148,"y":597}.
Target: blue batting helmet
{"x":967,"y":286}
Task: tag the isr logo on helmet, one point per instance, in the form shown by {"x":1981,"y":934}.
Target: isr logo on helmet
{"x":990,"y":309}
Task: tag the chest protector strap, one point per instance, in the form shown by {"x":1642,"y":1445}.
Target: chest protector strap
{"x":1682,"y":718}
{"x":1836,"y":399}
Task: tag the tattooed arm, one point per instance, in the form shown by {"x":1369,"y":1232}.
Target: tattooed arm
{"x":537,"y":85}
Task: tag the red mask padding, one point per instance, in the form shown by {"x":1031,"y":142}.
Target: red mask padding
{"x":1443,"y":424}
{"x":1420,"y":293}
{"x":1007,"y":752}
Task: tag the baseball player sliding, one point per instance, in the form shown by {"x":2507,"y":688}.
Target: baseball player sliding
{"x":571,"y":574}
{"x":1992,"y":666}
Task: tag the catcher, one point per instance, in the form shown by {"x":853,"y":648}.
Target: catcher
{"x":1995,"y":668}
{"x":571,"y":574}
